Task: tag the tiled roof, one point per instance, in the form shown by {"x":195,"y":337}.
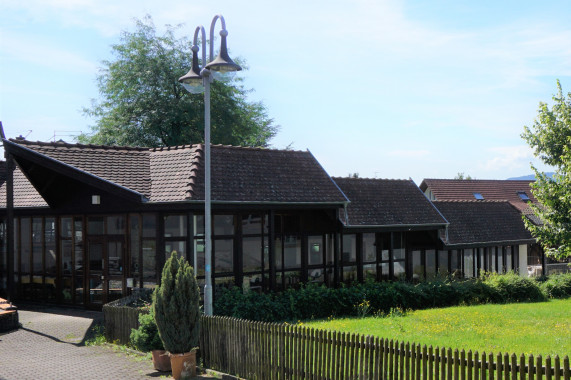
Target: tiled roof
{"x":264,"y":175}
{"x":385,"y":202}
{"x":480,"y":222}
{"x":25,"y":195}
{"x":455,"y":189}
{"x":125,"y":166}
{"x":177,"y":173}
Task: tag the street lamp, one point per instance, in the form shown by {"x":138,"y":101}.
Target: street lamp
{"x":196,"y":81}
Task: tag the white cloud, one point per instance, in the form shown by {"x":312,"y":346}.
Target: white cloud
{"x":508,"y":158}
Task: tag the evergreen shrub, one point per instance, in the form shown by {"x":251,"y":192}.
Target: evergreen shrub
{"x":176,"y":306}
{"x":146,"y":338}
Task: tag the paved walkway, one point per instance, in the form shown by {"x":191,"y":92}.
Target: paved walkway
{"x":50,"y":345}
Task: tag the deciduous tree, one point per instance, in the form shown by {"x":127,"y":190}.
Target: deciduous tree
{"x":142,"y":103}
{"x":550,"y":137}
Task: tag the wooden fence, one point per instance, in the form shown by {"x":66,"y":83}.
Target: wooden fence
{"x":120,"y":319}
{"x":256,"y":350}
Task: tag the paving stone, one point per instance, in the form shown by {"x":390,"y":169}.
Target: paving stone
{"x":50,"y":345}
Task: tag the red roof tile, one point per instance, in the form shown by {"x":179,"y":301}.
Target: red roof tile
{"x":455,"y":189}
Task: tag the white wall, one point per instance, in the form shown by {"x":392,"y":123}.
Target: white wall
{"x":523,"y":260}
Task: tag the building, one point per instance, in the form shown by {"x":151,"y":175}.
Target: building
{"x":83,"y":224}
{"x":515,"y":192}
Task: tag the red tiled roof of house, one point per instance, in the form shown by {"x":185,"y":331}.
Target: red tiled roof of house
{"x":177,"y":173}
{"x":483,"y":222}
{"x":455,"y":189}
{"x":387,"y":202}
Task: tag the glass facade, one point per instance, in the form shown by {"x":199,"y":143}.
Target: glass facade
{"x":93,"y":259}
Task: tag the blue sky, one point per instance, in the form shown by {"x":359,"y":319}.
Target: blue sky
{"x":388,"y":89}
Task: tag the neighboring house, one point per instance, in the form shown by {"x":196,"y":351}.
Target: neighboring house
{"x":88,"y":223}
{"x":485,"y":236}
{"x":516,"y":192}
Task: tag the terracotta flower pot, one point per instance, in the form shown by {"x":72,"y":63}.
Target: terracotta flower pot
{"x":161,"y":360}
{"x":183,"y":365}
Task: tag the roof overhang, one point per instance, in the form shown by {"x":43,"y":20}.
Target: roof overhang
{"x":397,"y":227}
{"x":487,"y":244}
{"x":45,"y":173}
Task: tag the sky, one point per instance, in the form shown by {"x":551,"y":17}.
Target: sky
{"x":386,"y":88}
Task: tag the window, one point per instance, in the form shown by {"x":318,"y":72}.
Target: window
{"x":479,"y":196}
{"x":523,"y":196}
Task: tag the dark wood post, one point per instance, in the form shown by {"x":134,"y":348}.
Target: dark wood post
{"x":9,"y":219}
{"x":543,"y":266}
{"x":272,"y":249}
{"x":9,"y":224}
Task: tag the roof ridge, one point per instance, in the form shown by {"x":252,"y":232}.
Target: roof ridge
{"x":62,"y":144}
{"x":372,"y":179}
{"x":479,"y":180}
{"x":471,"y":201}
{"x":196,"y":160}
{"x":174,"y":147}
{"x":258,"y":148}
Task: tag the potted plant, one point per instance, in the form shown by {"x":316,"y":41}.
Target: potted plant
{"x":177,"y":314}
{"x":146,"y":338}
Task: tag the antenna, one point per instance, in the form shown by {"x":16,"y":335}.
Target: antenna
{"x":61,"y":134}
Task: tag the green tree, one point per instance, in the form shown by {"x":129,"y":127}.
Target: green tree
{"x":550,"y":137}
{"x":461,"y":176}
{"x":141,"y":102}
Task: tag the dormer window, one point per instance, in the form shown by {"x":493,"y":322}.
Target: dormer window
{"x":479,"y":196}
{"x":523,"y":196}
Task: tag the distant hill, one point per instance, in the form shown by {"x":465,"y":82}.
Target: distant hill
{"x":529,"y":177}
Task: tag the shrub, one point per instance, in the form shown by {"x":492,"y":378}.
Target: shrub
{"x":318,"y":301}
{"x":511,"y":287}
{"x":146,"y":338}
{"x":557,"y":286}
{"x":176,"y":306}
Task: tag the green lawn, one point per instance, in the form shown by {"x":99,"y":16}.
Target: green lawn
{"x":530,"y":328}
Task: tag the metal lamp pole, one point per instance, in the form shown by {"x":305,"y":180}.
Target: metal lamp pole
{"x":196,"y":81}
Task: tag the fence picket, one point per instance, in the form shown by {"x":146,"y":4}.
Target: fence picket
{"x":531,"y":370}
{"x":259,"y":350}
{"x":424,"y":362}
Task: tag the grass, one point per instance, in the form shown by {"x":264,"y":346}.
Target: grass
{"x":529,"y":328}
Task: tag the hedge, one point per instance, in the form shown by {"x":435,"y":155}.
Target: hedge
{"x":318,"y":301}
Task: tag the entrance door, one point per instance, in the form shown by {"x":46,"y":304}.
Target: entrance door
{"x":106,"y":258}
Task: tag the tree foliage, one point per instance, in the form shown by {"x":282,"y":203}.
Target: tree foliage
{"x":461,"y":176}
{"x":141,"y":102}
{"x":550,"y":137}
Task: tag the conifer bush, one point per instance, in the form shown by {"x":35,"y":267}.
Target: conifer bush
{"x":176,"y":306}
{"x":146,"y":338}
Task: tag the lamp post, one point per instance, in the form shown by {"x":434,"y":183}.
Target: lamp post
{"x":196,"y":81}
